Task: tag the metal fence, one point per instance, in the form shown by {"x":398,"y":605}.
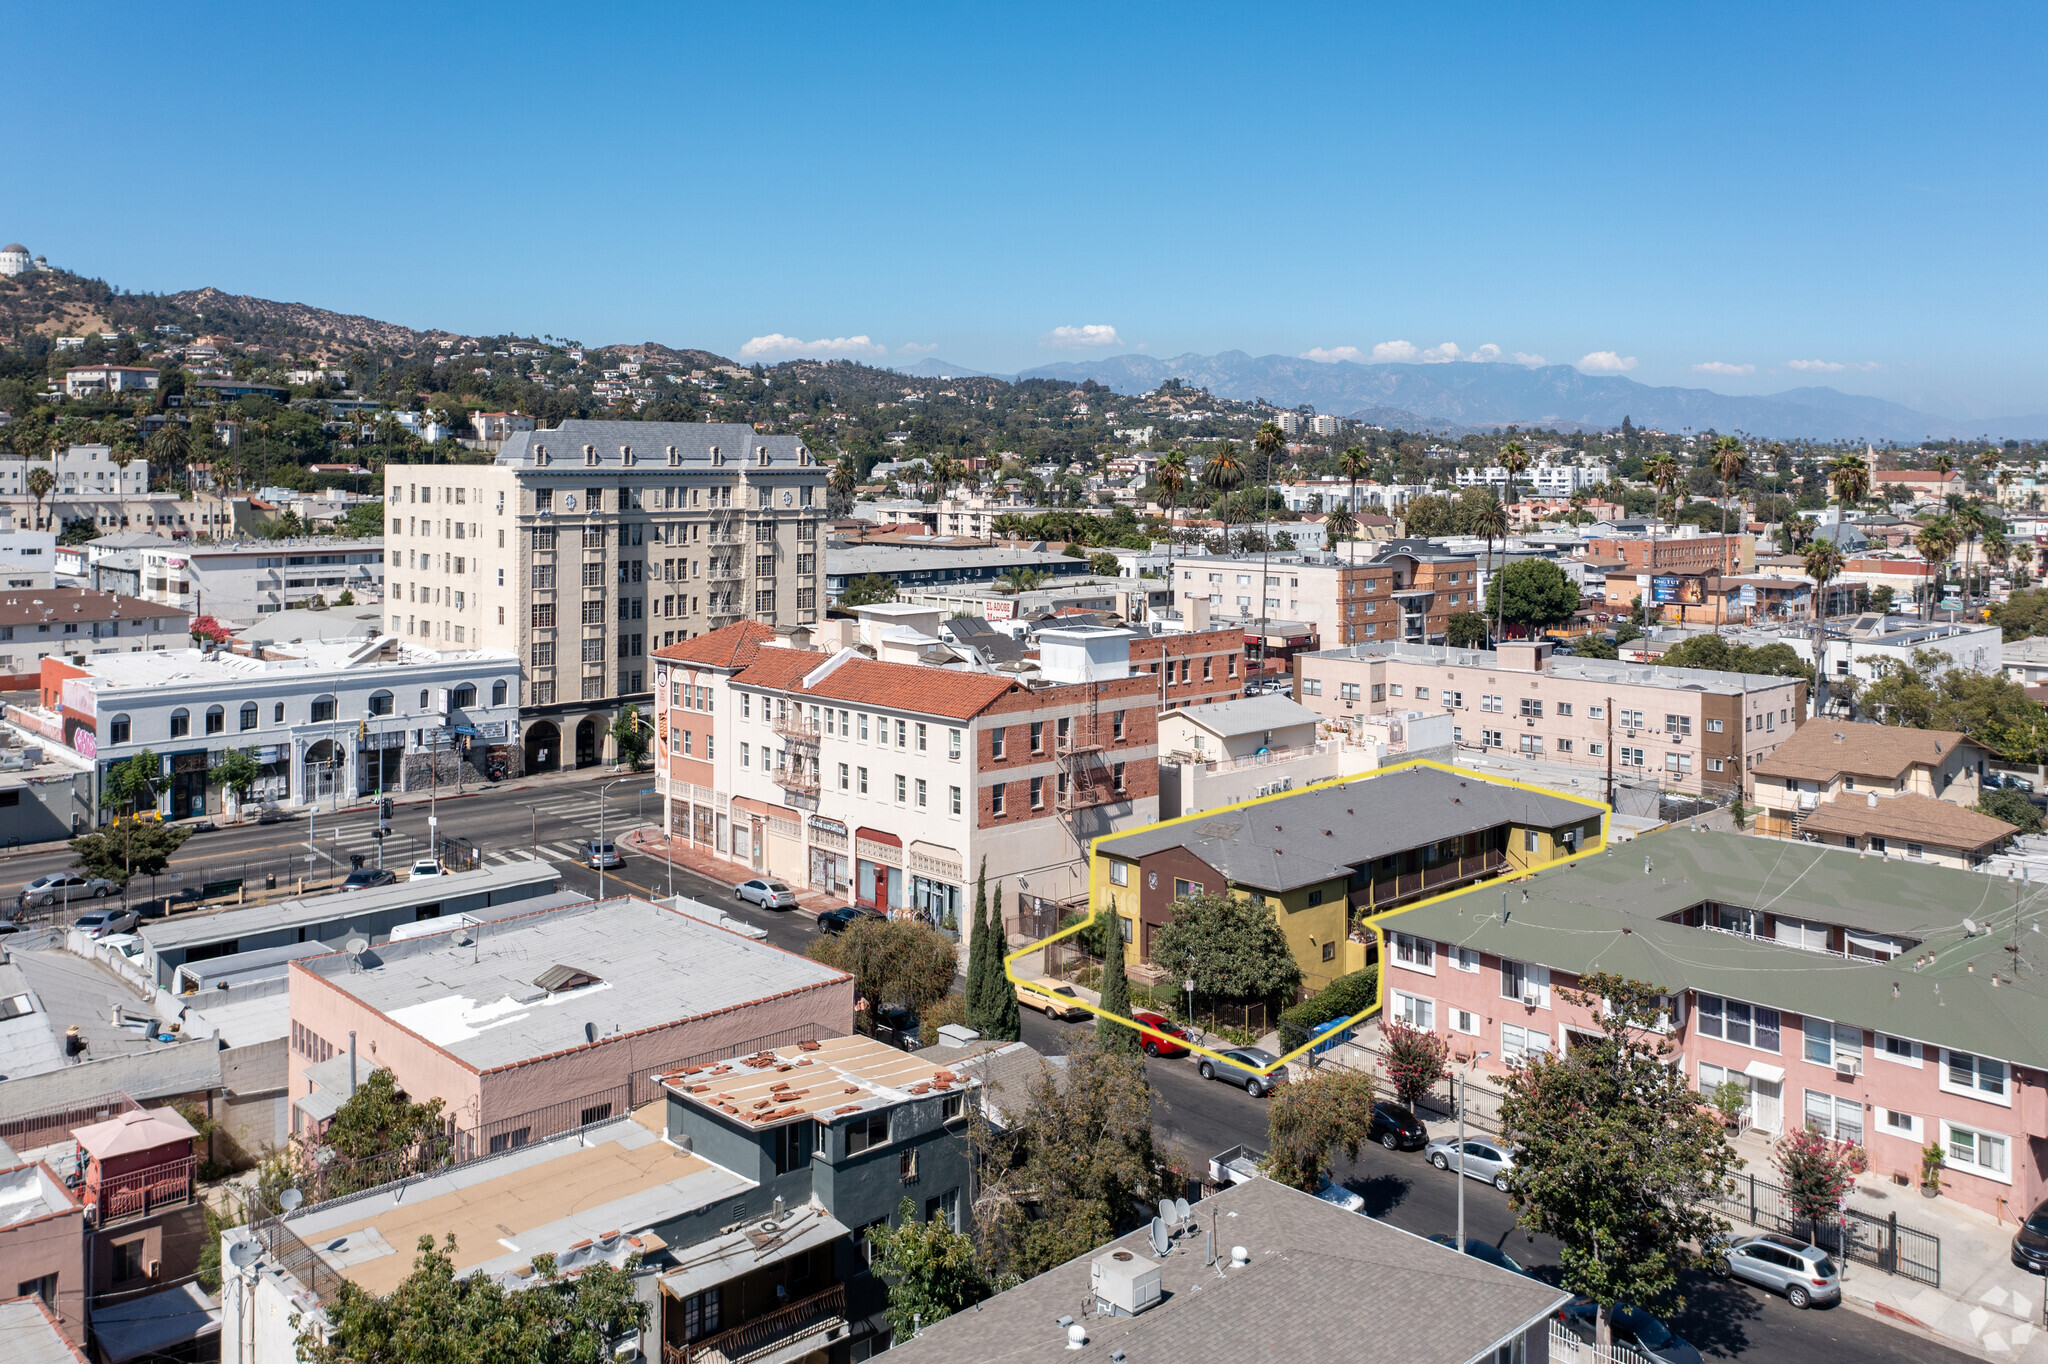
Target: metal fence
{"x":1882,"y":1242}
{"x":26,"y":1131}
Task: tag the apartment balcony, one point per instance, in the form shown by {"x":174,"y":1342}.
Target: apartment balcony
{"x":795,"y":724}
{"x":1392,"y":891}
{"x":786,"y":1334}
{"x":139,"y":1193}
{"x":1087,"y":792}
{"x":799,"y":778}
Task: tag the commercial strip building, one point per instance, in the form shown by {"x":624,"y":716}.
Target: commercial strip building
{"x":1323,"y":859}
{"x":583,"y":549}
{"x":746,"y":1189}
{"x":1408,"y":590}
{"x":322,"y":719}
{"x":77,"y":626}
{"x":1260,"y":1271}
{"x":1845,"y":992}
{"x":1686,"y":729}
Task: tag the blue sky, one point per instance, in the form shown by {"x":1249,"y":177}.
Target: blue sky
{"x":1794,"y":194}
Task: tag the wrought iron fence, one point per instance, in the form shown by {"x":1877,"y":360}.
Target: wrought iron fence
{"x":1882,"y":1242}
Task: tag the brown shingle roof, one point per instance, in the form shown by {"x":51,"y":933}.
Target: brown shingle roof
{"x":734,"y":646}
{"x":46,"y":605}
{"x":1821,"y":750}
{"x":1917,"y":819}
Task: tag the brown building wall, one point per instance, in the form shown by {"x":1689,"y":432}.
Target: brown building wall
{"x":1155,"y":901}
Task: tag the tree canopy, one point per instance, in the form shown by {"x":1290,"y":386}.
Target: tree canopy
{"x":1930,"y":692}
{"x":870,"y":589}
{"x":1534,"y":594}
{"x":378,"y":1118}
{"x":1715,"y":654}
{"x":1311,"y":1120}
{"x":1231,"y":946}
{"x":892,"y":961}
{"x":128,"y":849}
{"x":929,"y":1267}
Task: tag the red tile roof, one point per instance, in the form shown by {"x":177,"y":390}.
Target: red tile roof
{"x":869,"y":682}
{"x":733,"y":646}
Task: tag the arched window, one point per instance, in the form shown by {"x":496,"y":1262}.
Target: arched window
{"x":181,"y":723}
{"x":423,"y":698}
{"x":249,"y":715}
{"x":117,"y":730}
{"x":498,"y":693}
{"x":381,"y":702}
{"x":216,"y":720}
{"x":323,"y":709}
{"x":464,"y":697}
{"x":277,"y":714}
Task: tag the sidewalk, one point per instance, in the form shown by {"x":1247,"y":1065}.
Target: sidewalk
{"x":1986,"y":1306}
{"x":653,"y":844}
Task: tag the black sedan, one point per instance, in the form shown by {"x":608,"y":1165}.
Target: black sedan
{"x":840,"y":919}
{"x":2030,"y":1242}
{"x":368,"y":878}
{"x":1395,"y":1128}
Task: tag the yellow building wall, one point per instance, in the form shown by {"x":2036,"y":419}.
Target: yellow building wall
{"x":1308,"y":928}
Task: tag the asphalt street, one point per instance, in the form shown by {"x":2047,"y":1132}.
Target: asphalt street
{"x":1195,"y":1118}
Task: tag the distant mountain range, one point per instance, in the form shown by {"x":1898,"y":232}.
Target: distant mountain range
{"x":930,"y":368}
{"x":1469,"y":395}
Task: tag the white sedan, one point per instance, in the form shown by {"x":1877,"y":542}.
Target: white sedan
{"x":765,"y":893}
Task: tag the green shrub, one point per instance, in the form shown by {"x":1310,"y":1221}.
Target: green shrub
{"x":1341,"y":998}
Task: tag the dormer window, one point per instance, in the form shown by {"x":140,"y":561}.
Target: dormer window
{"x":675,"y":457}
{"x":590,"y":454}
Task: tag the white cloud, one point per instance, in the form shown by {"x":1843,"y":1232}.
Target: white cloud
{"x":1723,"y":367}
{"x":1449,"y":352}
{"x":917,"y":348}
{"x":1606,"y":362}
{"x":1394,"y":352}
{"x":777,"y":346}
{"x":1829,"y":366}
{"x":1092,"y":336}
{"x":1332,"y":355}
{"x":1522,"y":357}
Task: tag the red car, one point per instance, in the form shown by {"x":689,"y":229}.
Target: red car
{"x":1159,"y":1034}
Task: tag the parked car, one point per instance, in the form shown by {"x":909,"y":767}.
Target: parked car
{"x":425,"y":867}
{"x":1632,"y":1326}
{"x":204,"y":826}
{"x":840,"y":919}
{"x":1804,"y":1274}
{"x":101,"y":922}
{"x":273,"y":816}
{"x":1483,"y":1159}
{"x":899,"y":1027}
{"x":1249,"y":1060}
{"x":62,"y":888}
{"x":1053,"y":998}
{"x":127,"y":944}
{"x":599,"y":853}
{"x":1161,"y":1034}
{"x":1483,"y":1250}
{"x":366,"y":877}
{"x":1339,"y":1196}
{"x":1397,"y":1129}
{"x":2030,"y":1242}
{"x":766,"y":893}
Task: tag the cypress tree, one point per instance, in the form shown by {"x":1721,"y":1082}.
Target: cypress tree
{"x":977,"y":953}
{"x":1005,"y":1023}
{"x":1115,"y":1038}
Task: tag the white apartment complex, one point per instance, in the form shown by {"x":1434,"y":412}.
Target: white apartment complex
{"x":1541,"y":480}
{"x":585,"y":548}
{"x":240,"y":581}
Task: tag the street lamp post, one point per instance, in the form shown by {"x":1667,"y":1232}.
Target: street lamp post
{"x":533,"y":828}
{"x":1463,"y":1075}
{"x":602,"y":792}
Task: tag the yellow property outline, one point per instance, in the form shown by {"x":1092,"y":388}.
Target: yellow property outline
{"x":1376,"y":922}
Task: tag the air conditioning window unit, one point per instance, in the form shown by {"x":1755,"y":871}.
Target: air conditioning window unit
{"x":1848,"y":1065}
{"x":1529,"y":996}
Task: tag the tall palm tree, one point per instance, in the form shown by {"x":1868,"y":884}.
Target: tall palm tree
{"x":1975,"y":525}
{"x":1491,"y":520}
{"x":1223,"y":471}
{"x":170,"y":449}
{"x":41,"y":483}
{"x":1269,"y":440}
{"x":1579,"y":500}
{"x":1936,"y":541}
{"x":1354,"y":464}
{"x":1823,"y":564}
{"x":1341,"y":525}
{"x":1730,"y":463}
{"x":1514,"y":457}
{"x":1663,"y":474}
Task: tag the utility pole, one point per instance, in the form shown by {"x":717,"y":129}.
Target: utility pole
{"x":1610,"y":752}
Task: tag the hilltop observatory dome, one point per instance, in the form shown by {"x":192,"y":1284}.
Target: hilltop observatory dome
{"x":15,"y":260}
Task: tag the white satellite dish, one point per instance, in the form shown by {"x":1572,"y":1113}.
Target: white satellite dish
{"x":244,"y":1254}
{"x":290,"y":1199}
{"x":357,"y":946}
{"x":1970,"y":927}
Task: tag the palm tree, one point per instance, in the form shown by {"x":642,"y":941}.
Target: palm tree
{"x":1823,"y":564}
{"x":1975,"y":525}
{"x":1341,"y":525}
{"x":1223,"y":472}
{"x":1730,"y":462}
{"x":170,"y":448}
{"x":1019,"y":579}
{"x":1490,"y":521}
{"x":1172,"y":476}
{"x":1514,"y":457}
{"x":1936,"y":541}
{"x":41,"y":483}
{"x":1662,"y":472}
{"x":1579,"y":500}
{"x":1269,"y":440}
{"x":1354,"y":464}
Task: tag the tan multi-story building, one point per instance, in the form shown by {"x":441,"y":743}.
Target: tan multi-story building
{"x":1408,"y":590}
{"x":587,"y":547}
{"x":1685,"y":729}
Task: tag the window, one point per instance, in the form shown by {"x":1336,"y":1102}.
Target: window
{"x":1464,"y":958}
{"x":1119,"y":873}
{"x":867,"y":1131}
{"x":952,"y":740}
{"x":920,"y":792}
{"x":845,"y":779}
{"x":995,"y":799}
{"x":862,"y":773}
{"x":277,"y":714}
{"x":1417,"y":954}
{"x":952,"y":1106}
{"x":1465,"y":1021}
{"x":1978,"y":1076}
{"x":1311,"y":686}
{"x":901,"y":731}
{"x":1453,"y":700}
{"x":793,"y":1145}
{"x":1518,"y":1044}
{"x":1737,"y":1022}
{"x":1038,"y":793}
{"x":1893,"y":1123}
{"x":1678,"y":724}
{"x":117,"y":730}
{"x":920,"y":738}
{"x":1415,"y":1011}
{"x":1837,"y":1119}
{"x":381,"y":703}
{"x":1975,"y":1150}
{"x":1827,"y":1042}
{"x":498,"y":690}
{"x":1898,"y":1050}
{"x":700,"y":1314}
{"x":1714,"y":727}
{"x":181,"y":723}
{"x":746,"y":758}
{"x":249,"y":715}
{"x":1564,"y":709}
{"x":1183,"y":889}
{"x":1532,"y":707}
{"x":953,"y":800}
{"x":216,"y":720}
{"x":543,"y":615}
{"x":902,"y":787}
{"x":1038,"y":736}
{"x":128,"y":1262}
{"x":1522,"y":982}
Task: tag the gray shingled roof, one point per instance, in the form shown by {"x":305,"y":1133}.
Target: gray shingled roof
{"x":1323,"y":1284}
{"x":1322,"y":833}
{"x":649,"y":442}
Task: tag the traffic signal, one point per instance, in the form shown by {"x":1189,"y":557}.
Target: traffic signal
{"x":384,"y":811}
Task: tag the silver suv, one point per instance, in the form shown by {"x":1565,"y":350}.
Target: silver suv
{"x":1483,"y":1159}
{"x":1804,"y":1274}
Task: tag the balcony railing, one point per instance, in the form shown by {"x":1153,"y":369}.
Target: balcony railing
{"x":1269,"y":758}
{"x":798,"y":776}
{"x":1392,"y":890}
{"x":138,"y":1193}
{"x":806,"y":1316}
{"x":796,"y":724}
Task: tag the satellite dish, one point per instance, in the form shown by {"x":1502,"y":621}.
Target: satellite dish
{"x":1166,"y":1211}
{"x":244,"y":1254}
{"x":1180,"y":1207}
{"x":357,"y":946}
{"x":290,"y":1199}
{"x":1970,"y":927}
{"x":1159,"y":1244}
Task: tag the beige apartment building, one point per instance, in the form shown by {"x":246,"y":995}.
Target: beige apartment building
{"x":587,"y":547}
{"x":1685,"y":729}
{"x":1407,"y":590}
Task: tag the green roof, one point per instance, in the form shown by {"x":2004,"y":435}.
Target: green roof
{"x":1605,"y":912}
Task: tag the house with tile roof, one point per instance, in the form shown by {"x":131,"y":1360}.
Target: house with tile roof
{"x":1875,"y":787}
{"x":1889,"y":1003}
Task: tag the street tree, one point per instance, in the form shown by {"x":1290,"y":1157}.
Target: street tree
{"x":892,"y":961}
{"x":1006,"y":1019}
{"x":435,"y":1315}
{"x":132,"y":783}
{"x":929,"y":1267}
{"x":1311,"y":1120}
{"x":129,"y":848}
{"x":238,"y":771}
{"x":1416,"y":1060}
{"x":1818,"y":1174}
{"x":1617,"y":1153}
{"x":1230,"y":946}
{"x":629,"y":732}
{"x":1115,"y":1037}
{"x":1465,"y":630}
{"x":1354,"y":464}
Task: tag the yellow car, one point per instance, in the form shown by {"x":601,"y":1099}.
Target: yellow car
{"x":1054,"y":998}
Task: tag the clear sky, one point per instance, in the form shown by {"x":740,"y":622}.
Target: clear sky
{"x":1789,"y":194}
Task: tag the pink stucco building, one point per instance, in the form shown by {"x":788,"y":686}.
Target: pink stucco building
{"x":534,"y":1024}
{"x":1842,"y":992}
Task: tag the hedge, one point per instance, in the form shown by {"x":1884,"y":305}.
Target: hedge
{"x":1341,"y":998}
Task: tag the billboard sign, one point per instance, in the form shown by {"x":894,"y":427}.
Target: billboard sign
{"x":1663,"y":589}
